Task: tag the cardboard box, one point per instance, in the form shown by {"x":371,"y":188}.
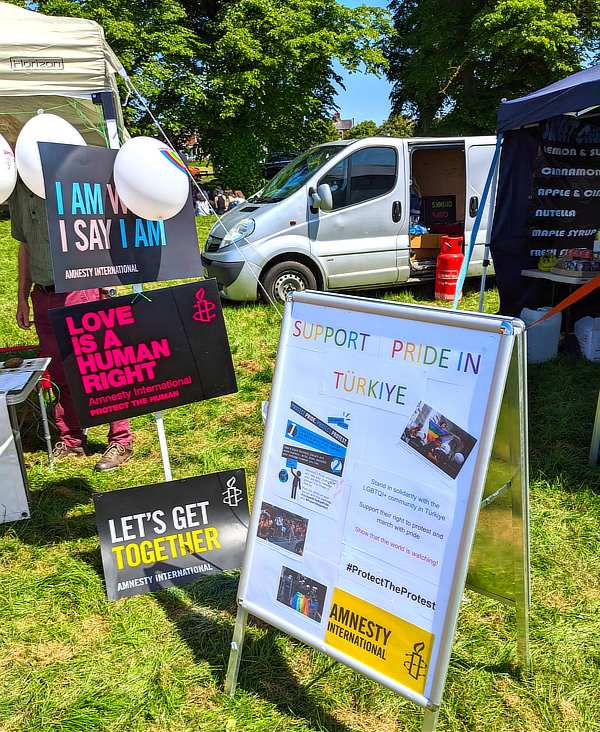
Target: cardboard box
{"x":587,"y":332}
{"x":424,"y":253}
{"x":426,"y":241}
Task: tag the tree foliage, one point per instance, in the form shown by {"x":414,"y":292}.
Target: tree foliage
{"x":397,"y":125}
{"x":244,"y":75}
{"x":269,"y":69}
{"x":368,"y":128}
{"x":452,"y":63}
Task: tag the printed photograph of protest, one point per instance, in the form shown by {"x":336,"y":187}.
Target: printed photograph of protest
{"x":301,"y":593}
{"x":439,"y":440}
{"x":282,"y":528}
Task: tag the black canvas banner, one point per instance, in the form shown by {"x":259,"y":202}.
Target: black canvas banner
{"x":137,"y":354}
{"x":94,"y":239}
{"x":167,"y":534}
{"x":564,"y":201}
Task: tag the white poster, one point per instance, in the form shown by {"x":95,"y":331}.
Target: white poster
{"x":373,"y":433}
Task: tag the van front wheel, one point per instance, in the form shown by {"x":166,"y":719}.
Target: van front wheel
{"x":284,"y":278}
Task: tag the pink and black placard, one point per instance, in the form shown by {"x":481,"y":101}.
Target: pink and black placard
{"x":138,"y":354}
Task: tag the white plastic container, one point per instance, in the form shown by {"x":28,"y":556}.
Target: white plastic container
{"x":542,"y":341}
{"x":587,"y":332}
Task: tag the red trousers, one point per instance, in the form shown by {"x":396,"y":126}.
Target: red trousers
{"x":66,"y":417}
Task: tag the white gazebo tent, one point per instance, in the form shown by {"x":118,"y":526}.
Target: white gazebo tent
{"x":58,"y":65}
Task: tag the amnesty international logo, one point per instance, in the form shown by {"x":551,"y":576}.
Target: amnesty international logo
{"x":416,"y":664}
{"x":232,"y":496}
{"x":381,"y":641}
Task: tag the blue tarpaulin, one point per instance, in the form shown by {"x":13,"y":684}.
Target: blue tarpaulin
{"x":520,"y":146}
{"x":576,"y":92}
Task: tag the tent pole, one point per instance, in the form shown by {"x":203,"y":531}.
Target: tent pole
{"x":465,"y":265}
{"x":106,"y":100}
{"x":486,"y":264}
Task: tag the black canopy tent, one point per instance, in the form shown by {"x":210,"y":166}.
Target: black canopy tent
{"x":520,"y":122}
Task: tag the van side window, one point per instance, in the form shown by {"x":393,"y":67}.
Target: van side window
{"x":365,"y":174}
{"x":338,"y":182}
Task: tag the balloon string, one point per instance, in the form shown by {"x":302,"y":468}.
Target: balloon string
{"x":141,"y":294}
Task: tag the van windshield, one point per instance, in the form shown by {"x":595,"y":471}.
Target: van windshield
{"x":295,"y":175}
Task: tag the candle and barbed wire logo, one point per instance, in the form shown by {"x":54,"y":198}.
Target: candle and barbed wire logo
{"x":232,"y":496}
{"x":416,"y":664}
{"x":204,"y":308}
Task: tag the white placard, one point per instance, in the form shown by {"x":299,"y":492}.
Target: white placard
{"x":372,"y":456}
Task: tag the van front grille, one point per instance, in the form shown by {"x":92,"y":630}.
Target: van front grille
{"x":212,"y":244}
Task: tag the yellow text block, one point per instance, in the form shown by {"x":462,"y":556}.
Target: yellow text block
{"x":387,"y":644}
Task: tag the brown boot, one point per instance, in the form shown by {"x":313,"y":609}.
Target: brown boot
{"x":61,"y":451}
{"x":114,"y":456}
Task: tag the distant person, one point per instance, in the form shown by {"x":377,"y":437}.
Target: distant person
{"x":238,"y":197}
{"x":220,"y":202}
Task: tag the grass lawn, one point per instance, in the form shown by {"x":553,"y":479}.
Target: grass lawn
{"x":70,"y":661}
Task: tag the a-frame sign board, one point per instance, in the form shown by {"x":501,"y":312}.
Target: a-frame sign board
{"x":378,"y":453}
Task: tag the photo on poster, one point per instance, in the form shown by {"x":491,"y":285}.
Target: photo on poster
{"x":301,"y":593}
{"x":282,"y":529}
{"x":439,"y":440}
{"x":314,"y":449}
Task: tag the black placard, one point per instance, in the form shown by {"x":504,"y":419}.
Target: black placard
{"x":564,"y":202}
{"x":167,"y":534}
{"x":439,"y":209}
{"x":137,"y":354}
{"x":95,"y":241}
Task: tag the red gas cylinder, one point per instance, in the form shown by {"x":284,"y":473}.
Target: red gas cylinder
{"x":448,"y":267}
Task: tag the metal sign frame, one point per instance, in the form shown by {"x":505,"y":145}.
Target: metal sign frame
{"x":507,"y":384}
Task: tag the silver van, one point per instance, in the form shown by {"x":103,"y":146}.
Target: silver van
{"x":340,"y":217}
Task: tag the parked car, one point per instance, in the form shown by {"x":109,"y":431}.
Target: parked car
{"x":338,"y":217}
{"x":276,"y":162}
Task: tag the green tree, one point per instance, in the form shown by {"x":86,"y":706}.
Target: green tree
{"x":269,"y":75}
{"x":451,"y":63}
{"x":397,"y":125}
{"x":368,"y":128}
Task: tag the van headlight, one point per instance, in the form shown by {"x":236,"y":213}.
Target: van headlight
{"x":240,"y":231}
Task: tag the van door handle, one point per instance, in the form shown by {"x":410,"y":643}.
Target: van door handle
{"x":473,"y":207}
{"x":396,"y":211}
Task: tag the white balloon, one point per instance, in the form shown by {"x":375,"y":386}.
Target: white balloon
{"x":150,"y":179}
{"x":8,"y":170}
{"x":41,"y":128}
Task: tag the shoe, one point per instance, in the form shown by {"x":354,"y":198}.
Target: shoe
{"x":61,"y":451}
{"x":115,"y":455}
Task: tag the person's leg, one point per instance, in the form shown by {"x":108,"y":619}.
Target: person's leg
{"x":119,"y":431}
{"x":65,"y":416}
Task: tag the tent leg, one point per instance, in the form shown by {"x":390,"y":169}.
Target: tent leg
{"x":486,"y":264}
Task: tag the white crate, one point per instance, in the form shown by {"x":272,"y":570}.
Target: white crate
{"x":587,"y":332}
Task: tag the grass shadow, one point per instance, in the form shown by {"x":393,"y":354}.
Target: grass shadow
{"x":204,"y":615}
{"x":49,"y":523}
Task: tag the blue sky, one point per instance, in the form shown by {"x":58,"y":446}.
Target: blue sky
{"x":366,"y":96}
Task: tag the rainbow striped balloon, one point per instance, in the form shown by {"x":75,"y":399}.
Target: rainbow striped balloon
{"x":175,"y":159}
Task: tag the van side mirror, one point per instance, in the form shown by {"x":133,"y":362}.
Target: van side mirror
{"x":321,"y":198}
{"x":326,"y":196}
